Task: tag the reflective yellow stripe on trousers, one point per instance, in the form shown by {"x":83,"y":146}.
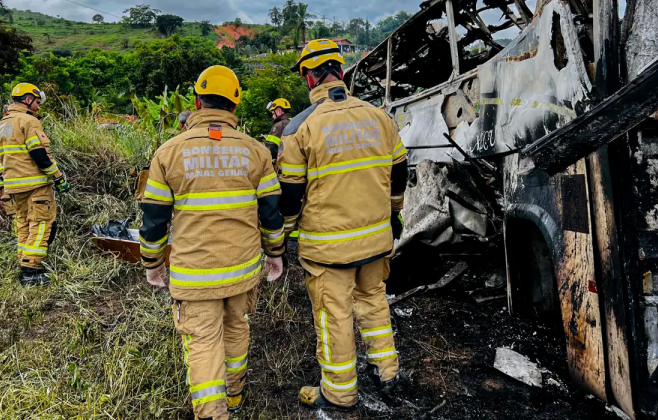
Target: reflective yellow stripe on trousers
{"x":188,"y":277}
{"x":350,"y":166}
{"x":345,"y":235}
{"x":236,"y":364}
{"x":208,"y":391}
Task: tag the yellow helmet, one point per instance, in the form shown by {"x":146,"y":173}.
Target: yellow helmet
{"x":28,"y":88}
{"x":279,"y":103}
{"x":316,"y":53}
{"x":221,"y":81}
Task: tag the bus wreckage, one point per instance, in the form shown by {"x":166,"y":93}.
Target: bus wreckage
{"x":548,"y":145}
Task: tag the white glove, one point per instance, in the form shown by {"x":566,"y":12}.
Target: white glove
{"x":158,"y":277}
{"x":274,"y":267}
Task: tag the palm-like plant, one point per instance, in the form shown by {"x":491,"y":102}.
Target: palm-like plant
{"x":276,"y":17}
{"x":303,"y":20}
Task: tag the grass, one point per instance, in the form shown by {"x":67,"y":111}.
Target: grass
{"x":57,"y":34}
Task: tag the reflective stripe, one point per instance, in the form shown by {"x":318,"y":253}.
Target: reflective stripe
{"x":397,"y":197}
{"x":159,"y":192}
{"x":42,"y":229}
{"x":187,"y":339}
{"x":372,"y":333}
{"x":24,"y":182}
{"x":293,"y":170}
{"x":13,"y":149}
{"x":153,"y":247}
{"x":1,"y":167}
{"x":326,"y":338}
{"x":346,"y":235}
{"x":338,"y":386}
{"x":388,"y":353}
{"x":236,"y":364}
{"x":208,"y":391}
{"x":273,"y":139}
{"x":32,"y":141}
{"x":338,"y":367}
{"x":399,"y":150}
{"x":32,"y":250}
{"x":271,"y":236}
{"x":188,"y":277}
{"x":216,"y":200}
{"x":289,"y":225}
{"x":268,"y":184}
{"x":51,"y":169}
{"x":350,"y":166}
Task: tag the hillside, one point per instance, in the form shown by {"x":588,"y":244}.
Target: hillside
{"x":53,"y":34}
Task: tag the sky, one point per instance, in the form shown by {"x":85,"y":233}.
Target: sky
{"x":217,"y":11}
{"x":250,"y":11}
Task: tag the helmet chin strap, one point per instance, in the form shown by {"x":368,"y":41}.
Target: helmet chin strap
{"x":312,"y":84}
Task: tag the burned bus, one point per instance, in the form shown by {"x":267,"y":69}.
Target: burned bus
{"x":558,"y":133}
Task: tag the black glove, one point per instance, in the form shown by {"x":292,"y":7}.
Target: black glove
{"x":61,"y":185}
{"x":397,"y":224}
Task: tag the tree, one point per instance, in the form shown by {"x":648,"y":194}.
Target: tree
{"x":303,"y":17}
{"x":172,"y":62}
{"x":206,"y":27}
{"x":98,"y":18}
{"x":290,"y":14}
{"x":141,"y":15}
{"x":276,"y":16}
{"x":167,"y":24}
{"x":355,"y":28}
{"x":11,"y":45}
{"x":47,"y":36}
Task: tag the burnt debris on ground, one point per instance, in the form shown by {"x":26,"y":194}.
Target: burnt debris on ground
{"x":447,"y":344}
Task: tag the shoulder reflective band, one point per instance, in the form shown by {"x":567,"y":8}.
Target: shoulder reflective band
{"x":347,"y":235}
{"x":208,"y":391}
{"x":51,"y":169}
{"x":26,"y":182}
{"x":272,"y":236}
{"x":13,"y":149}
{"x":236,"y":364}
{"x":383,"y":354}
{"x":399,"y":150}
{"x":350,"y":166}
{"x":293,"y":170}
{"x":372,"y":333}
{"x":268,"y":184}
{"x":216,"y":200}
{"x":338,"y":367}
{"x":338,"y":386}
{"x":32,"y":142}
{"x":273,"y":139}
{"x":158,"y":192}
{"x":188,"y":277}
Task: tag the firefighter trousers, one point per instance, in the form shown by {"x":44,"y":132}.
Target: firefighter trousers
{"x":336,"y":294}
{"x":35,"y":225}
{"x":215,"y":337}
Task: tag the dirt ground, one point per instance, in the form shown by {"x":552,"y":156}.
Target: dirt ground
{"x":447,"y":343}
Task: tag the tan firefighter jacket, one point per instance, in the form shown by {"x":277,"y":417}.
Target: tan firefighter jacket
{"x":224,"y":195}
{"x":25,"y":159}
{"x":337,"y":167}
{"x":273,"y":140}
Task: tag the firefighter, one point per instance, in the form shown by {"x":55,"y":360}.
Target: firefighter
{"x":223,"y":192}
{"x":343,"y":169}
{"x":29,"y":173}
{"x":281,"y":114}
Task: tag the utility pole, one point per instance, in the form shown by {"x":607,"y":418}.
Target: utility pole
{"x":335,"y":28}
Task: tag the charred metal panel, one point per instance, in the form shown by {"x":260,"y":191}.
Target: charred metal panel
{"x":575,"y":213}
{"x":573,"y":256}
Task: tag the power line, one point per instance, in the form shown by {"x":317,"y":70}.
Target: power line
{"x":83,"y":5}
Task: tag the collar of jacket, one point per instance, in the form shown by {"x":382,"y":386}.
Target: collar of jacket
{"x":204,"y":117}
{"x":283,"y":117}
{"x":18,"y":108}
{"x":322,"y":91}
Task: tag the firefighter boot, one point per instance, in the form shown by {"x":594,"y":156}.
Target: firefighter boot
{"x":235,"y":402}
{"x":33,"y":277}
{"x":384,"y":387}
{"x":312,"y":397}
